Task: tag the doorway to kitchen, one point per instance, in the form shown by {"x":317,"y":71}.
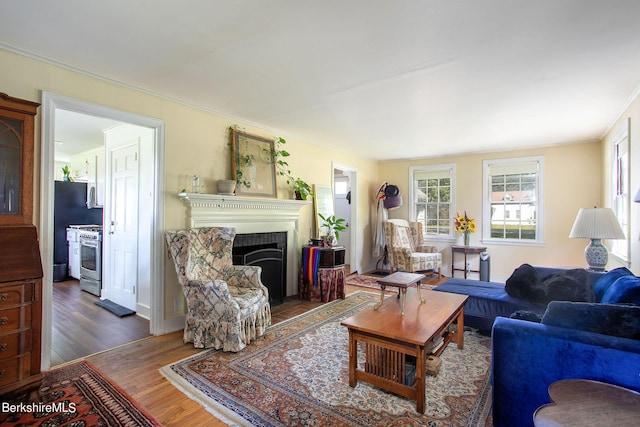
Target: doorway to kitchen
{"x":149,"y":238}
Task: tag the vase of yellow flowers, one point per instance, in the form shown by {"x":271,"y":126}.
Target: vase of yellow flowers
{"x":465,"y":225}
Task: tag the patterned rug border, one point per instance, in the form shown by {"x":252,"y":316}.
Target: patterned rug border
{"x":89,"y":380}
{"x":194,"y":386}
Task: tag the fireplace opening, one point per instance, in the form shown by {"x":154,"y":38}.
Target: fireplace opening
{"x":268,"y":251}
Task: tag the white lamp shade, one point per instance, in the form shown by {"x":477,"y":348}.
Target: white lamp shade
{"x":596,"y":223}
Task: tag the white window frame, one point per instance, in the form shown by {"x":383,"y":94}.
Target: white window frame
{"x":486,"y":203}
{"x":620,"y":184}
{"x":413,"y":196}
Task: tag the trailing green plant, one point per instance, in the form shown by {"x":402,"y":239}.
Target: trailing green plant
{"x":333,"y":225}
{"x":302,"y":188}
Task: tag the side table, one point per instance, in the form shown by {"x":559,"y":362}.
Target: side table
{"x":466,"y":250}
{"x":322,"y":273}
{"x":587,"y":402}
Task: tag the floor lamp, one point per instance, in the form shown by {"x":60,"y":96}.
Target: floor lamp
{"x":596,"y":224}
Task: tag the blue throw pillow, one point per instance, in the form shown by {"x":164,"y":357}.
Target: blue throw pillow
{"x":624,"y":290}
{"x":602,"y":285}
{"x":607,"y":319}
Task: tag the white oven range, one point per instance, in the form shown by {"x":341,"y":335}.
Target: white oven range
{"x":91,"y":259}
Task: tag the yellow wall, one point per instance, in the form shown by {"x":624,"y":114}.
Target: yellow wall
{"x":572,"y":180}
{"x":196,"y":143}
{"x":633,"y":115}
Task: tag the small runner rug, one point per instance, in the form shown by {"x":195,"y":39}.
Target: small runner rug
{"x":298,"y":375}
{"x":76,"y":395}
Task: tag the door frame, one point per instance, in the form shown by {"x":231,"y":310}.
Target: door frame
{"x":51,"y":102}
{"x":356,"y":264}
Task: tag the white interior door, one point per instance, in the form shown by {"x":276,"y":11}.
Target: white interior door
{"x":121,"y":222}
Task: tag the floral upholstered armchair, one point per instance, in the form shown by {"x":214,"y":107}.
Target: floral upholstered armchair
{"x":407,"y":250}
{"x":227,"y":305}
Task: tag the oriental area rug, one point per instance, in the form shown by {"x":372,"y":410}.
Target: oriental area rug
{"x":75,"y":395}
{"x":297,"y":374}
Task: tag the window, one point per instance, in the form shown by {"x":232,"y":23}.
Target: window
{"x":513,"y":200}
{"x":431,"y":192}
{"x":620,"y":190}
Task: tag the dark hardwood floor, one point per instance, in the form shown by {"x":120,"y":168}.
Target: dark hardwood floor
{"x":81,"y":328}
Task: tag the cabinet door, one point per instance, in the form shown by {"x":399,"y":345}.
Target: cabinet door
{"x":16,"y":160}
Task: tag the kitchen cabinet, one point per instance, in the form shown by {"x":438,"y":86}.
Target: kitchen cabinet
{"x":74,"y":252}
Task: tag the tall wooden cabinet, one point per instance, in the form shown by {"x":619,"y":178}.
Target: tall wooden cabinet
{"x":20,"y":263}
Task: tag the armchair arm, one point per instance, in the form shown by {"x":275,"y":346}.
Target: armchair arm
{"x":528,"y":357}
{"x":244,"y":276}
{"x":208,"y":293}
{"x":427,"y":248}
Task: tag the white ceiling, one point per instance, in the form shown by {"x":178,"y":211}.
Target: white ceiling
{"x":380,"y":79}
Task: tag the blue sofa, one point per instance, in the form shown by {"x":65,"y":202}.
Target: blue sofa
{"x":597,"y":341}
{"x":527,"y":357}
{"x":488,"y":300}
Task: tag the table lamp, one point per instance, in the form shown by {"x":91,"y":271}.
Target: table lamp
{"x":596,"y":224}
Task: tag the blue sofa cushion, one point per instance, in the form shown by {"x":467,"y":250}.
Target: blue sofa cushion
{"x":568,"y":285}
{"x":607,"y":319}
{"x":624,"y":290}
{"x":603,"y":283}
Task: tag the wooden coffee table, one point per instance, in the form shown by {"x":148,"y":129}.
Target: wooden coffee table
{"x":402,"y":281}
{"x":391,"y":339}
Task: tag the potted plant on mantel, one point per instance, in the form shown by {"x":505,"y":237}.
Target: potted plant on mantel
{"x":333,"y":226}
{"x":301,"y":189}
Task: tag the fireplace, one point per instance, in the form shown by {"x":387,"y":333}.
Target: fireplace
{"x":252,"y":215}
{"x":266,"y":250}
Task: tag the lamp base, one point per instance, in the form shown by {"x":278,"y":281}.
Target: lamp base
{"x":597,"y":255}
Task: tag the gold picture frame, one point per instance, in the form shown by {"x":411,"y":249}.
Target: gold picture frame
{"x":252,"y":165}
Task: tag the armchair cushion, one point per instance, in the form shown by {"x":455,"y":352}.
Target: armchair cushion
{"x":607,"y":319}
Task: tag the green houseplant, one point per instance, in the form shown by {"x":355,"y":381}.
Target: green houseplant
{"x":66,"y":171}
{"x":301,"y":189}
{"x":333,"y":226}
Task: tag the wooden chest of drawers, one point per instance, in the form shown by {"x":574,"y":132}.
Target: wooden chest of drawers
{"x":20,"y":309}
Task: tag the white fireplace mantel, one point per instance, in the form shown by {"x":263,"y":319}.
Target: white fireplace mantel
{"x":250,"y":215}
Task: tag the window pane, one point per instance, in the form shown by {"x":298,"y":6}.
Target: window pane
{"x":513,"y":199}
{"x":432,"y":201}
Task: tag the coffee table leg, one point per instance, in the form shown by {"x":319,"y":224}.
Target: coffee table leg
{"x":403,"y":298}
{"x":353,"y":359}
{"x":420,"y":360}
{"x":461,"y":329}
{"x":377,"y":306}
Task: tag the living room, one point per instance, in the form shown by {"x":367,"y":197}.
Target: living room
{"x":577,"y":172}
